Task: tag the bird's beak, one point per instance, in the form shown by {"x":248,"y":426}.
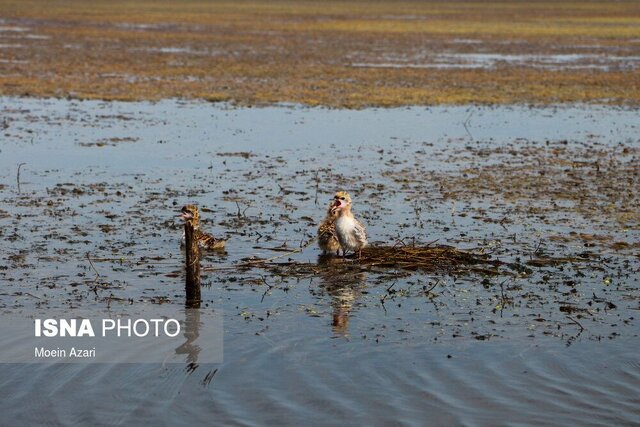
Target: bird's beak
{"x":337,"y":203}
{"x":185,"y":216}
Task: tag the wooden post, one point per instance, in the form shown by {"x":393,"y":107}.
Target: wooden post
{"x":192,"y":264}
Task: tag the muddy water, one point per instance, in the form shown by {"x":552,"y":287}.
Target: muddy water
{"x":552,"y":191}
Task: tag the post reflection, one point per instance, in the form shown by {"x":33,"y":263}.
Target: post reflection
{"x":191,"y":334}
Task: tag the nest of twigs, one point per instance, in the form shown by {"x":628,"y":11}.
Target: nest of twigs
{"x":427,"y":258}
{"x":432,"y":259}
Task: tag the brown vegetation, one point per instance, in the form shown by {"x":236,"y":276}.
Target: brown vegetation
{"x":352,"y":54}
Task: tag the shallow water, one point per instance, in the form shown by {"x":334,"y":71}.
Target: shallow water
{"x":573,"y":61}
{"x":549,"y":343}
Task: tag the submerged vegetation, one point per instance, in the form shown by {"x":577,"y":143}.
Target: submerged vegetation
{"x":519,"y":229}
{"x":353,"y":54}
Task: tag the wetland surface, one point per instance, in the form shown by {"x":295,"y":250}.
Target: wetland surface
{"x":338,"y":53}
{"x":88,"y":222}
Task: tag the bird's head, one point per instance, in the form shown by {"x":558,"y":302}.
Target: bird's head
{"x":341,"y":200}
{"x":190,"y":214}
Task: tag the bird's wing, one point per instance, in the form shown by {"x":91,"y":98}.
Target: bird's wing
{"x":207,"y":240}
{"x":360,"y":232}
{"x":327,"y":229}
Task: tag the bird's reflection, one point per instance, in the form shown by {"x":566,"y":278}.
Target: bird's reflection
{"x":344,"y":285}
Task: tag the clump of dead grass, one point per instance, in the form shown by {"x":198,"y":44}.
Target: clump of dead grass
{"x":261,"y":53}
{"x":431,"y":259}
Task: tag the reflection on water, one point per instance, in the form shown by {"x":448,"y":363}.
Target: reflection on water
{"x":344,"y":288}
{"x":191,"y":333}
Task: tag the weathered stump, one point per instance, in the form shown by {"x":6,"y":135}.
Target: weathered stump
{"x":192,"y":265}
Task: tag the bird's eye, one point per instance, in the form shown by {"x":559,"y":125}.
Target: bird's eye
{"x":341,"y":198}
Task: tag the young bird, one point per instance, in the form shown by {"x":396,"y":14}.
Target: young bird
{"x":351,"y":233}
{"x":205,"y":241}
{"x":327,"y":237}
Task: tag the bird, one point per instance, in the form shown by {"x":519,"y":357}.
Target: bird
{"x":327,"y":237}
{"x":351,"y":232}
{"x":191,"y":214}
